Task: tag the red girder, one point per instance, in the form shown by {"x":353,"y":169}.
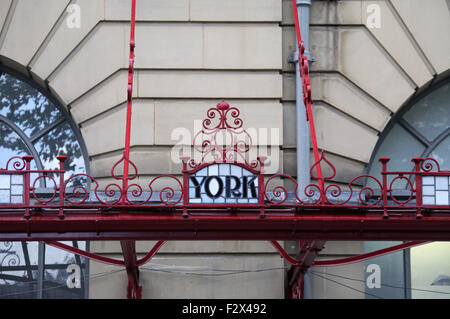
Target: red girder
{"x":348,"y":260}
{"x":221,"y":224}
{"x":106,"y":260}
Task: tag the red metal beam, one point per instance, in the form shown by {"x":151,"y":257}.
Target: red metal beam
{"x":348,"y":260}
{"x":86,"y":254}
{"x":359,"y":258}
{"x":106,"y":260}
{"x":223,"y":225}
{"x":310,"y":250}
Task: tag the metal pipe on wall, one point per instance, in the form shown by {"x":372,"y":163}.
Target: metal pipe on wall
{"x":303,"y":144}
{"x":303,"y":136}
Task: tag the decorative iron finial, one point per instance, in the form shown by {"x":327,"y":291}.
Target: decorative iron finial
{"x":223,"y":137}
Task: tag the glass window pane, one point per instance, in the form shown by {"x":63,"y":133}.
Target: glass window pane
{"x":11,"y":145}
{"x":61,"y":141}
{"x":64,"y":274}
{"x":25,"y":106}
{"x":430,"y":271}
{"x":19,"y":270}
{"x":400,"y":146}
{"x":5,"y":181}
{"x":442,"y":154}
{"x":431,"y":115}
{"x":391,"y":274}
{"x":5,"y":196}
{"x":31,"y":111}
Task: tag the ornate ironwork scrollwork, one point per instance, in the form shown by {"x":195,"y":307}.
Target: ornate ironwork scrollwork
{"x":427,"y":165}
{"x":228,"y":127}
{"x":10,"y":259}
{"x":18,"y":163}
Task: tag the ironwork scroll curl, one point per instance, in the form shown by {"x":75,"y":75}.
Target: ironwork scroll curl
{"x":428,"y":166}
{"x":10,"y":259}
{"x":236,"y":141}
{"x":167,"y":194}
{"x":18,"y":163}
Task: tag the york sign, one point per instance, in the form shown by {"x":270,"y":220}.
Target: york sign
{"x":223,"y":183}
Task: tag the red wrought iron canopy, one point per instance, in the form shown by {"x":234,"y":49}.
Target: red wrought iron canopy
{"x":221,"y":195}
{"x":224,"y":195}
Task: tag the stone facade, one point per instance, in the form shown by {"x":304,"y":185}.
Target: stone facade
{"x":190,"y":54}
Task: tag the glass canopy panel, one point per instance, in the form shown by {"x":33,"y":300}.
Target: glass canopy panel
{"x":436,"y":189}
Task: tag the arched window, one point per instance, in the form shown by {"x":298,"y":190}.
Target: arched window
{"x":33,"y":123}
{"x":421,"y":128}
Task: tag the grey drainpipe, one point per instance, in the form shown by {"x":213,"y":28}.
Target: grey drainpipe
{"x":303,"y":144}
{"x":303,"y":147}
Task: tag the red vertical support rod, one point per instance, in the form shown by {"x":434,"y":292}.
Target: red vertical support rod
{"x":61,"y":160}
{"x":129,"y":101}
{"x":26,"y":182}
{"x":384,"y":190}
{"x":261,"y":188}
{"x":298,"y":276}
{"x":134,"y":291}
{"x":185,"y":186}
{"x":417,"y":161}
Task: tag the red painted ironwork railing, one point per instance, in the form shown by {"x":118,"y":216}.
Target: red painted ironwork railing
{"x":71,"y":193}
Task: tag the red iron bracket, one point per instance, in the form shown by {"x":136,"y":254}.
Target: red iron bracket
{"x":308,"y":252}
{"x":134,"y":291}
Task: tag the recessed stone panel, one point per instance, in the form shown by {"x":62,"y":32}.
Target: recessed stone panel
{"x":209,"y":84}
{"x":31,"y":22}
{"x":235,"y":10}
{"x":106,"y":132}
